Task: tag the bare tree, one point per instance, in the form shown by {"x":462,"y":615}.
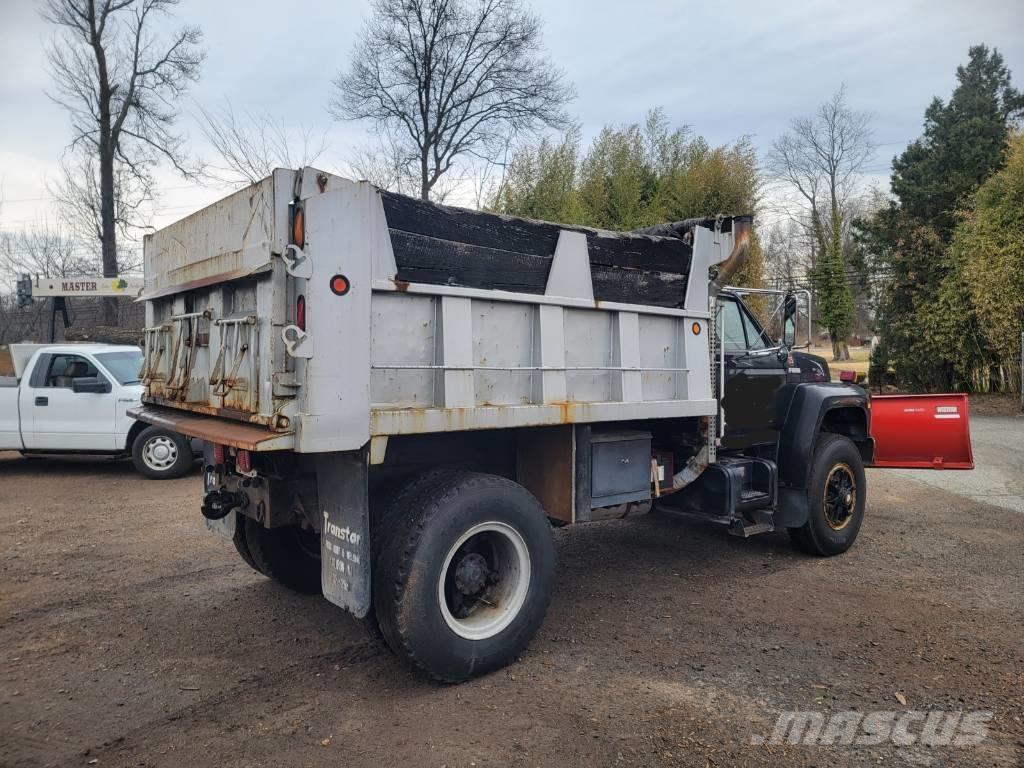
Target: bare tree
{"x":251,"y":146}
{"x":821,"y":159}
{"x":786,"y":254}
{"x":120,"y":85}
{"x":386,"y":165}
{"x":451,"y":79}
{"x":43,"y":251}
{"x":77,"y":193}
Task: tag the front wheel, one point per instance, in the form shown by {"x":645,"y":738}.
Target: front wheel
{"x":465,"y":574}
{"x":160,"y":454}
{"x":835,"y":498}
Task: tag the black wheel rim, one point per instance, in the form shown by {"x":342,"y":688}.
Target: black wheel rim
{"x":840,"y":497}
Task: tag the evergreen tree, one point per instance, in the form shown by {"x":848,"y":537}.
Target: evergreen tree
{"x":931,"y":333}
{"x":964,"y":141}
{"x":988,"y":247}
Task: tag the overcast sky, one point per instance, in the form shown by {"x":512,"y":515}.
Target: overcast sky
{"x":726,"y":69}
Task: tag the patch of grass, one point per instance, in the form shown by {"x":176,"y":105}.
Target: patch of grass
{"x":860,"y":358}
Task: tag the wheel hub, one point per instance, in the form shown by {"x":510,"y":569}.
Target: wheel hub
{"x":840,"y":497}
{"x":159,"y":453}
{"x":471,"y":574}
{"x":484,"y":580}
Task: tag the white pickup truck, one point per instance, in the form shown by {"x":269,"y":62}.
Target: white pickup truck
{"x":73,"y":398}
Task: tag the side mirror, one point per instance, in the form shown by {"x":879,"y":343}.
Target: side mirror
{"x":789,"y":310}
{"x":789,"y":333}
{"x":90,"y":384}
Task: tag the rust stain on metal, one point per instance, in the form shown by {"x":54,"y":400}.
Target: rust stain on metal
{"x":220,"y":431}
{"x":401,"y":285}
{"x":209,"y":410}
{"x":201,"y":282}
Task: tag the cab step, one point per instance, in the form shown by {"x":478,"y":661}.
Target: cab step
{"x":739,"y":492}
{"x":760,"y":521}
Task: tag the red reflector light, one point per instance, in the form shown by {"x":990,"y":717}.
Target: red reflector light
{"x":244,"y":460}
{"x":300,"y":312}
{"x":847,"y":376}
{"x":339,"y":285}
{"x":218,"y":453}
{"x":299,"y":228}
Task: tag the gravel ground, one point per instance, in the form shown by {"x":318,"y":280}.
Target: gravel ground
{"x":998,"y":476}
{"x":131,"y":637}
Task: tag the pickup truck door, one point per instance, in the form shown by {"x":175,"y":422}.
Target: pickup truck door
{"x":10,"y":433}
{"x":56,"y":418}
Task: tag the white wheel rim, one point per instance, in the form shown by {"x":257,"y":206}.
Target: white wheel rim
{"x":159,"y":453}
{"x":493,"y":608}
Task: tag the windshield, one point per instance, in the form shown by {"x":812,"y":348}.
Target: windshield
{"x":123,"y":366}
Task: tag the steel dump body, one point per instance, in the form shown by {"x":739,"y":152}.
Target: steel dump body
{"x":448,"y":320}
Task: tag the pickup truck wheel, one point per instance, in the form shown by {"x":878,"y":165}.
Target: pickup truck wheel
{"x":160,"y":454}
{"x":289,"y":555}
{"x":835,"y":494}
{"x":465,"y":574}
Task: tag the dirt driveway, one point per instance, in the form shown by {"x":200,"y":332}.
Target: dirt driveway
{"x":131,"y":637}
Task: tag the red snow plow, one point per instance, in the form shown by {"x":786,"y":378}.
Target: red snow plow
{"x":921,"y":431}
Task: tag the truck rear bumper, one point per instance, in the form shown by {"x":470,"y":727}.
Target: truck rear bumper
{"x":250,"y":437}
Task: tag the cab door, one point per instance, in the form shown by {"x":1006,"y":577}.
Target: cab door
{"x":56,"y":418}
{"x":755,"y":372}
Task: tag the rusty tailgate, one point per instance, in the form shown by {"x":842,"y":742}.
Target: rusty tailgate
{"x":251,"y":437}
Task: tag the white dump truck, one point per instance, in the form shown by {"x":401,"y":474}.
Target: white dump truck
{"x":400,"y":399}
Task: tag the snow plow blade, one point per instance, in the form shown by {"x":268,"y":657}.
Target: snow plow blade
{"x":921,"y":431}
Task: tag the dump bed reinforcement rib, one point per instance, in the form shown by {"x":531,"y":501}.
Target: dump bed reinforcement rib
{"x":215,"y":430}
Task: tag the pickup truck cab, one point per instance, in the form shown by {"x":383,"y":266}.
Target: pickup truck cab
{"x":74,"y":398}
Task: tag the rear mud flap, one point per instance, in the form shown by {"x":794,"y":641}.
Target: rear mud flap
{"x":225,"y":527}
{"x":345,"y":529}
{"x":921,"y":431}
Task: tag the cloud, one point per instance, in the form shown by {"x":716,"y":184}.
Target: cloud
{"x":726,"y":69}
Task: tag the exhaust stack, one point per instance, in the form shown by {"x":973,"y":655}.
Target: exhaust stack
{"x":742,"y":228}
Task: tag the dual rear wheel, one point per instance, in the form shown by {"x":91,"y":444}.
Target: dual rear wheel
{"x":463,"y":566}
{"x":463,"y":562}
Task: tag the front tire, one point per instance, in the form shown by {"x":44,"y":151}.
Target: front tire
{"x":835,"y":498}
{"x":160,"y":454}
{"x":465,"y":573}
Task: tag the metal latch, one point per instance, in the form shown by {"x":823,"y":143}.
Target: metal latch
{"x":297,"y":342}
{"x":297,"y":262}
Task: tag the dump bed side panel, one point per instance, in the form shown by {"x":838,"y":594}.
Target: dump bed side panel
{"x":387,"y":316}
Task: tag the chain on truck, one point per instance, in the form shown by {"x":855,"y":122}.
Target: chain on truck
{"x":400,"y":399}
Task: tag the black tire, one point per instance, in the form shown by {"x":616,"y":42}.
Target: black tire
{"x":241,"y":545}
{"x":834,"y":519}
{"x":289,"y":555}
{"x":423,"y":527}
{"x":384,"y":501}
{"x":161,"y":454}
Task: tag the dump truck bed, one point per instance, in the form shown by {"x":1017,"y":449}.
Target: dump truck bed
{"x":327,"y":312}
